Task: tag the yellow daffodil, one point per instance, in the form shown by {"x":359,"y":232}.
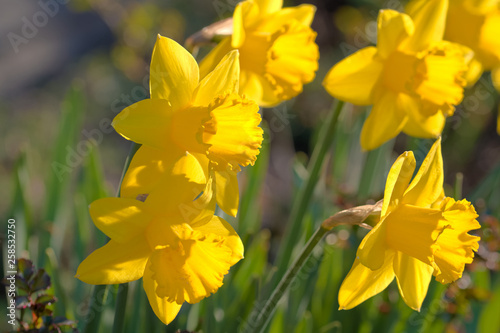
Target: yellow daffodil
{"x":206,"y":120}
{"x":420,"y":233}
{"x":476,"y":24}
{"x":412,"y":77}
{"x":180,"y":259}
{"x":278,"y":52}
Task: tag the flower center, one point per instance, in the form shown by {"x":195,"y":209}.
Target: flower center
{"x":192,"y":268}
{"x":435,"y":76}
{"x":399,"y":71}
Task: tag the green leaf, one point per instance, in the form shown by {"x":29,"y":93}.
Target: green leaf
{"x":489,"y":320}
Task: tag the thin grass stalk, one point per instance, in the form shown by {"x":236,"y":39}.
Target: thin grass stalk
{"x":121,"y":305}
{"x":304,"y":195}
{"x":265,"y":314}
{"x":351,"y":216}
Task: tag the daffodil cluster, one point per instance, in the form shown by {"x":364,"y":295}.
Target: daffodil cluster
{"x":195,"y":135}
{"x":201,"y":126}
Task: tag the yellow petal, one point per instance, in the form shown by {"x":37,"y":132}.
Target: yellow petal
{"x":474,"y":72}
{"x":392,"y":28}
{"x":121,"y":219}
{"x":422,"y":126}
{"x":413,"y":278}
{"x":213,"y":58}
{"x":498,"y":121}
{"x":151,"y":167}
{"x":269,"y":6}
{"x":373,"y":248}
{"x":427,"y":185}
{"x":397,"y":181}
{"x":303,"y":14}
{"x":146,"y":122}
{"x":386,"y":120}
{"x":238,"y":37}
{"x":429,"y":18}
{"x":174,"y":73}
{"x":223,"y":80}
{"x":362,"y":283}
{"x":489,"y":44}
{"x":414,"y":231}
{"x":495,"y":78}
{"x":354,"y":78}
{"x":166,"y":311}
{"x":115,"y":263}
{"x":218,"y":226}
{"x":456,"y":246}
{"x":227,"y":193}
{"x":172,"y":195}
{"x":480,"y":6}
{"x":192,"y":269}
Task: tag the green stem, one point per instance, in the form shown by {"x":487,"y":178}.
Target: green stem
{"x":121,"y":306}
{"x":100,"y":291}
{"x":304,"y":195}
{"x":264,"y":315}
{"x":97,"y":302}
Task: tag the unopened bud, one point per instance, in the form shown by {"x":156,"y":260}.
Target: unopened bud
{"x":210,"y":33}
{"x":353,"y":216}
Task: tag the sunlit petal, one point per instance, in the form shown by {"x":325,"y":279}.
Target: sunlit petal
{"x":427,"y":185}
{"x":115,"y":263}
{"x":413,"y":278}
{"x":386,"y":120}
{"x":362,"y":283}
{"x":166,"y":311}
{"x":354,"y":78}
{"x":174,"y":73}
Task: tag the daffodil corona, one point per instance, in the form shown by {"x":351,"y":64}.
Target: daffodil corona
{"x":420,"y":233}
{"x":181,"y":259}
{"x":412,"y":77}
{"x":278,"y":52}
{"x":206,"y":120}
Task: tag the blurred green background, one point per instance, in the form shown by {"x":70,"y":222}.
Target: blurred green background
{"x":66,"y":77}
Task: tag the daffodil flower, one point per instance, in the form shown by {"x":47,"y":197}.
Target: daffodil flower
{"x":412,"y":77}
{"x":181,"y":259}
{"x":278,"y":52}
{"x":206,"y":120}
{"x":476,"y":24}
{"x":420,"y":233}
